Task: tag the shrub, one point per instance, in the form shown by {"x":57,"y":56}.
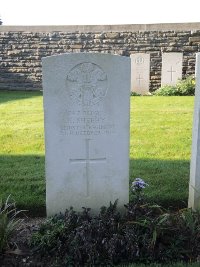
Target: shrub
{"x":135,"y":94}
{"x":8,"y":222}
{"x":185,"y":87}
{"x":146,"y":233}
{"x":167,"y":90}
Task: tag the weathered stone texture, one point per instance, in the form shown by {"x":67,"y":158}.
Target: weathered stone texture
{"x":21,"y":51}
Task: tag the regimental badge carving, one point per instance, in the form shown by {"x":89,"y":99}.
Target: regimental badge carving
{"x":139,"y":60}
{"x":87,"y":84}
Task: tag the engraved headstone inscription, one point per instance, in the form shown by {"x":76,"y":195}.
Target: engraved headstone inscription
{"x":86,"y":112}
{"x":140,"y":68}
{"x":171,"y":68}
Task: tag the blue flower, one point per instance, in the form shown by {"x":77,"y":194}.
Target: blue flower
{"x":138,"y":184}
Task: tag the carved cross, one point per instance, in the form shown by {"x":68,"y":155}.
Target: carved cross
{"x":139,"y":79}
{"x":87,"y":160}
{"x":171,"y":71}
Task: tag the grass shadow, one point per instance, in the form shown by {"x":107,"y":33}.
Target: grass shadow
{"x":23,"y":177}
{"x":168,"y":180}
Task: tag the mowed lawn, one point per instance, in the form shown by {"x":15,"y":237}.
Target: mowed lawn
{"x":160,"y":148}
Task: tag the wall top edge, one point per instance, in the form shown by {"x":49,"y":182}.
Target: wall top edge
{"x":105,"y":28}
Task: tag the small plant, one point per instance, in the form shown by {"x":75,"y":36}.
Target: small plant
{"x":8,"y":222}
{"x":138,"y":185}
{"x":185,"y":87}
{"x":167,"y":90}
{"x":135,"y":94}
{"x":146,"y":233}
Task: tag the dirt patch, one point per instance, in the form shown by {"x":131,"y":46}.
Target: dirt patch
{"x":20,"y":254}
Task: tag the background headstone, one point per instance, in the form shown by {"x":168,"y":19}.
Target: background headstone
{"x":194,"y":186}
{"x":86,"y":109}
{"x":140,"y":68}
{"x":171,"y":68}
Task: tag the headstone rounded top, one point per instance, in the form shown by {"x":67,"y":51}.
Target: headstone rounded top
{"x":86,"y":116}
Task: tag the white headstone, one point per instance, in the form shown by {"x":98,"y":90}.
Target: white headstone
{"x":86,"y":109}
{"x":171,"y":68}
{"x":140,"y":68}
{"x":194,"y":186}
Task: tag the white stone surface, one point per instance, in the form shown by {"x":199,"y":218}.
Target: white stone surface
{"x":171,"y":68}
{"x":140,"y":69}
{"x":194,"y":186}
{"x":86,"y":109}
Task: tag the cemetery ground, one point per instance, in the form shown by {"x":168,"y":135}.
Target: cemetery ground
{"x":160,"y":148}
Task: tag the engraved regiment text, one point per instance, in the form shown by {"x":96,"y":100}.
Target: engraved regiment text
{"x":87,"y":87}
{"x":86,"y":123}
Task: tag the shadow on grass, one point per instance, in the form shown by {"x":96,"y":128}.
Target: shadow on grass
{"x":23,"y":177}
{"x":6,"y":96}
{"x":168,"y":180}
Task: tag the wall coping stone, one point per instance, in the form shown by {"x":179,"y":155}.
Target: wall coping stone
{"x":105,"y":28}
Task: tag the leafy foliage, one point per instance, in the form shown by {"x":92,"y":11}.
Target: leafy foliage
{"x":166,"y":90}
{"x":185,"y":87}
{"x":177,"y":264}
{"x":8,"y":222}
{"x":135,"y":94}
{"x":145,"y":233}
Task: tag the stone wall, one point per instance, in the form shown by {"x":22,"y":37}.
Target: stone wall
{"x":22,"y":47}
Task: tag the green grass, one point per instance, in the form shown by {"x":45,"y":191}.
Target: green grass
{"x":22,"y":150}
{"x":160,"y":148}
